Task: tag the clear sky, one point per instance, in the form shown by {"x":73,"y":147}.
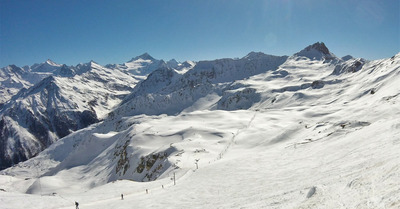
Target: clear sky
{"x":74,"y":31}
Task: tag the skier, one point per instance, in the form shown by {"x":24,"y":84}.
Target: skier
{"x":122,"y":196}
{"x":77,"y":205}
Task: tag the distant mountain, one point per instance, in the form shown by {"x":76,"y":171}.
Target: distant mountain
{"x":317,"y":51}
{"x":143,"y":65}
{"x":167,"y":91}
{"x":46,"y":67}
{"x":67,"y":99}
{"x":13,"y":78}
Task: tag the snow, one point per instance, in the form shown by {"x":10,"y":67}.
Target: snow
{"x":294,"y":135}
{"x":262,"y":168}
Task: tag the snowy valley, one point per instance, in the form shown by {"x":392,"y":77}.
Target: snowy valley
{"x":311,"y":130}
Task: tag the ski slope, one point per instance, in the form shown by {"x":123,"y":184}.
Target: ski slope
{"x":267,"y":165}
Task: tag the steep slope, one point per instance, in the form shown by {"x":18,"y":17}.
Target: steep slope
{"x":41,"y":116}
{"x":56,"y":107}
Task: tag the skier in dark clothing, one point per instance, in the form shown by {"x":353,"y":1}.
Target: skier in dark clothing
{"x":77,"y":205}
{"x":122,"y":196}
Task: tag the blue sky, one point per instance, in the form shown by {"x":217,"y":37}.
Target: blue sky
{"x":75,"y":31}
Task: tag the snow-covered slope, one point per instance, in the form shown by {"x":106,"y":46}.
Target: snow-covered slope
{"x":257,"y":132}
{"x":56,"y":106}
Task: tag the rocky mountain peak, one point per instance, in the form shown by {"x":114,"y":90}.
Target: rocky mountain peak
{"x":144,"y":56}
{"x":317,"y":51}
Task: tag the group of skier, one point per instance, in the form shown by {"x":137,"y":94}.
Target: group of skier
{"x":77,"y":204}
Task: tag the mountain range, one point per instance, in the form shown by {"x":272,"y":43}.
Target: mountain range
{"x":53,"y":100}
{"x":306,"y":130}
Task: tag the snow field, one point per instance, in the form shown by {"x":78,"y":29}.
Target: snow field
{"x":277,"y":170}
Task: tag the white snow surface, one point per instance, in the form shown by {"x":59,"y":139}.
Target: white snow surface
{"x":302,"y":134}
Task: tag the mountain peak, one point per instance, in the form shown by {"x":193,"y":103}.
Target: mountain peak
{"x":144,"y":56}
{"x":320,"y":46}
{"x":253,"y":55}
{"x":316,"y":51}
{"x":50,"y":62}
{"x":47,"y":66}
{"x":347,"y":57}
{"x":85,"y":67}
{"x":93,"y":62}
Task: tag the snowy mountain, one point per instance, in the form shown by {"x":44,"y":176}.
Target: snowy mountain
{"x":46,"y":67}
{"x":317,"y":51}
{"x":13,"y":78}
{"x":307,"y":131}
{"x":166,"y":91}
{"x":142,"y":65}
{"x":69,"y":99}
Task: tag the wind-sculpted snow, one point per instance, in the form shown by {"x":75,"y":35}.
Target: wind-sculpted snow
{"x":307,"y":133}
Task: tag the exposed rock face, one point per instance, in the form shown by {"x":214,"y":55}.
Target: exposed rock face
{"x":320,"y":46}
{"x":317,"y":51}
